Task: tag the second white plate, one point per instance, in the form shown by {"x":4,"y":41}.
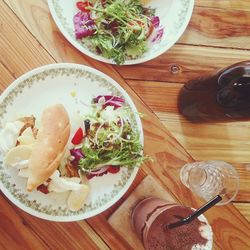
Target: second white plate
{"x":174,"y":17}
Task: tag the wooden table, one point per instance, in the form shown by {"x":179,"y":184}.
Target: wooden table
{"x":217,"y":36}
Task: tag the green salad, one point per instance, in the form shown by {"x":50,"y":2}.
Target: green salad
{"x":107,"y":139}
{"x":117,"y":29}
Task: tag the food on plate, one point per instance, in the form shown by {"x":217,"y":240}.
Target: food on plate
{"x":18,"y":155}
{"x":107,"y":139}
{"x":9,"y":135}
{"x":117,"y":29}
{"x":144,"y":2}
{"x":39,"y":152}
{"x":49,"y":146}
{"x":53,"y":161}
{"x":77,"y":197}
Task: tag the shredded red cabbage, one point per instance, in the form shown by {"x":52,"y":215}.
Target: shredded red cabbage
{"x":84,"y":25}
{"x":158,"y":35}
{"x":104,"y":170}
{"x":116,"y":105}
{"x":108,"y":97}
{"x":77,"y":154}
{"x":110,"y":100}
{"x":155,"y":20}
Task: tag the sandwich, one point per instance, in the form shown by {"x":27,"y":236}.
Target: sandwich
{"x":49,"y":146}
{"x":40,"y":154}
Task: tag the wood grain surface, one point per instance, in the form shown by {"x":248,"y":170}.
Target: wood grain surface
{"x":226,"y":141}
{"x":30,"y":38}
{"x":184,"y":62}
{"x":228,"y":28}
{"x":225,"y":4}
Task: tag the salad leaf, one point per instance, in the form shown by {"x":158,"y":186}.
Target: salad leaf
{"x":77,"y":154}
{"x":84,"y":25}
{"x":108,"y":100}
{"x":155,"y":21}
{"x":110,"y":140}
{"x":121,"y":152}
{"x":118,"y":29}
{"x":118,"y":153}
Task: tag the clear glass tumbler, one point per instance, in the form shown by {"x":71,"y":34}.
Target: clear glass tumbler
{"x":210,"y":178}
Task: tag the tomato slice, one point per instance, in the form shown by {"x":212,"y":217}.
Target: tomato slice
{"x":43,"y":188}
{"x":78,"y":136}
{"x":82,"y":6}
{"x":113,"y":170}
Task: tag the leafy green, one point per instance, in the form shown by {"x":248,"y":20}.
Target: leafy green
{"x":121,"y":28}
{"x":112,"y":142}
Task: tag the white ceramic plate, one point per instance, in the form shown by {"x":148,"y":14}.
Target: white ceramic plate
{"x":48,"y":85}
{"x":174,"y":17}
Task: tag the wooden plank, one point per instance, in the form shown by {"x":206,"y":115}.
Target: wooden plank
{"x":33,"y":15}
{"x":224,"y":141}
{"x":114,"y":240}
{"x":244,"y":191}
{"x":225,"y":4}
{"x":184,"y":62}
{"x":5,"y":79}
{"x":57,"y":235}
{"x":159,"y":96}
{"x":100,"y":243}
{"x":169,"y":156}
{"x":227,"y":141}
{"x":244,"y":208}
{"x":228,"y":226}
{"x":12,"y":56}
{"x":218,"y":27}
{"x":14,"y":232}
{"x":221,"y":140}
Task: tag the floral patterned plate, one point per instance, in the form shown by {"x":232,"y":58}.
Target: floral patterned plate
{"x":70,"y":85}
{"x":174,"y":17}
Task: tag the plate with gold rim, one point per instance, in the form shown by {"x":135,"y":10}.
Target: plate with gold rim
{"x":174,"y":17}
{"x":29,"y":95}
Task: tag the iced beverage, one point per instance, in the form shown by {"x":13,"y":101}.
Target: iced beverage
{"x":223,"y":96}
{"x":150,"y":218}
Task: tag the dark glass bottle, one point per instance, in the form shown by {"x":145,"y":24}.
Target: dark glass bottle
{"x":224,"y":96}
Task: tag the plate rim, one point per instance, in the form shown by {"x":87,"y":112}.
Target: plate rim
{"x":74,"y":42}
{"x":118,"y":196}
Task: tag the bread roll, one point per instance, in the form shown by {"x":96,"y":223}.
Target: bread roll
{"x":49,"y":146}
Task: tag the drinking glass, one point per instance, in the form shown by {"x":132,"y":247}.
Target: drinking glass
{"x":151,"y":217}
{"x":210,"y":178}
{"x":220,"y":96}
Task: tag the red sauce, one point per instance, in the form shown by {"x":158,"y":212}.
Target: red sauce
{"x":43,"y":188}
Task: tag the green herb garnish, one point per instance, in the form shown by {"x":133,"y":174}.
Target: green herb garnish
{"x":111,"y":141}
{"x":122,"y":28}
